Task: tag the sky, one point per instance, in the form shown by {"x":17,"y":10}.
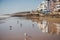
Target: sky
{"x":13,"y":6}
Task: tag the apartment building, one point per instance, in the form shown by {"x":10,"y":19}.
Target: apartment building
{"x":43,"y":7}
{"x":54,"y":5}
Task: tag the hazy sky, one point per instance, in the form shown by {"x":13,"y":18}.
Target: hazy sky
{"x":12,"y":6}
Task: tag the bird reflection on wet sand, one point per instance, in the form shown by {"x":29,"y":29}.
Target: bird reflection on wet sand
{"x":21,"y":25}
{"x":17,"y":21}
{"x":27,"y":37}
{"x":10,"y":27}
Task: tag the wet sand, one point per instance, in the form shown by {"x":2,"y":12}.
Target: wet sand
{"x":23,"y":28}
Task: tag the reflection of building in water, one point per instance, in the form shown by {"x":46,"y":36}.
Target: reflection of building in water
{"x":52,"y":29}
{"x":43,"y":25}
{"x":46,"y":26}
{"x":58,"y":28}
{"x":27,"y":37}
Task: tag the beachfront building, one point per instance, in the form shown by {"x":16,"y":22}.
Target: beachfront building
{"x":43,"y":7}
{"x":57,"y":5}
{"x":54,"y":5}
{"x":49,"y":6}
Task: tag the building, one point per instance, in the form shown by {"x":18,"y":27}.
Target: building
{"x":54,"y":5}
{"x":43,"y":7}
{"x":57,"y":5}
{"x":48,"y":6}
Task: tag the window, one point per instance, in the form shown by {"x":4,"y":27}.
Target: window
{"x":59,"y":10}
{"x":58,"y":7}
{"x":47,"y":0}
{"x":54,"y":0}
{"x":45,"y":6}
{"x":45,"y":9}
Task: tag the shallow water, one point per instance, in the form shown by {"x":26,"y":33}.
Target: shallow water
{"x":23,"y":28}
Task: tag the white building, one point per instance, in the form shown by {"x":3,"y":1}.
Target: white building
{"x":49,"y":6}
{"x":43,"y":7}
{"x":43,"y":26}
